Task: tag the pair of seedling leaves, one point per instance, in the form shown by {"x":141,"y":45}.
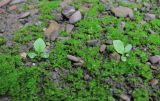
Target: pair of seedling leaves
{"x":121,"y":49}
{"x":39,"y":47}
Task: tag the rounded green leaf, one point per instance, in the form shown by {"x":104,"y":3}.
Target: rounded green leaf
{"x":39,"y":45}
{"x":32,"y":55}
{"x":123,"y":58}
{"x":118,"y":46}
{"x":128,"y":48}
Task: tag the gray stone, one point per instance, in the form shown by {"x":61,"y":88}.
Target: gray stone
{"x":122,"y":12}
{"x":75,"y":17}
{"x":154,"y":59}
{"x":92,"y":42}
{"x":68,"y":11}
{"x":69,"y":28}
{"x":102,"y":48}
{"x":149,"y":17}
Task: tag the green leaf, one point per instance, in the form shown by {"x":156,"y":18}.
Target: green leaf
{"x":39,"y":45}
{"x":45,"y":55}
{"x":128,"y":48}
{"x":119,"y":46}
{"x":123,"y":58}
{"x":32,"y":55}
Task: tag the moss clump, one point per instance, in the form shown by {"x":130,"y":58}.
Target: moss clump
{"x":140,"y":94}
{"x":2,"y":40}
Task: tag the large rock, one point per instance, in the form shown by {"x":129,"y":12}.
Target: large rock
{"x":122,"y":12}
{"x":75,"y":17}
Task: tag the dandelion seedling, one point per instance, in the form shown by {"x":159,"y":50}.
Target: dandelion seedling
{"x":39,"y":47}
{"x":121,"y":49}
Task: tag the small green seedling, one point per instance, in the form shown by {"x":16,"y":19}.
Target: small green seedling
{"x":121,"y":49}
{"x":39,"y":47}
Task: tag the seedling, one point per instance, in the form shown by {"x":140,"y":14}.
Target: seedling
{"x":39,"y":47}
{"x":121,"y":49}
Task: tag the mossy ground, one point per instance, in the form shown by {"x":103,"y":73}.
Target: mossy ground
{"x":108,"y":78}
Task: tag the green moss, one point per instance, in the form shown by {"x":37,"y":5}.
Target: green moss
{"x":28,"y":33}
{"x":46,"y":8}
{"x":140,"y":94}
{"x":2,"y":40}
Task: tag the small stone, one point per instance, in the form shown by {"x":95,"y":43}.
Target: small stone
{"x":109,"y":42}
{"x":69,"y":28}
{"x":54,"y":35}
{"x":24,"y":15}
{"x":122,"y":12}
{"x":115,"y":56}
{"x":154,"y":82}
{"x":149,"y":17}
{"x":75,"y":17}
{"x":23,"y":55}
{"x":33,"y":64}
{"x":154,"y":59}
{"x":73,"y":58}
{"x":87,"y":77}
{"x":68,"y":11}
{"x":92,"y":42}
{"x":102,"y":48}
{"x":52,"y":31}
{"x":59,"y":17}
{"x":108,"y":6}
{"x":13,"y":7}
{"x":17,"y":1}
{"x":4,"y":99}
{"x":125,"y":97}
{"x":4,"y":2}
{"x":122,"y":26}
{"x":154,"y":67}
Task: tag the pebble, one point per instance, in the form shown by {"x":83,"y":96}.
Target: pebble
{"x":75,"y":17}
{"x":17,"y":1}
{"x":122,"y":12}
{"x":108,"y":6}
{"x":54,"y":35}
{"x":122,"y":25}
{"x":148,"y":17}
{"x":4,"y":2}
{"x":24,"y":15}
{"x":23,"y":55}
{"x":73,"y":58}
{"x":125,"y":97}
{"x":69,"y":28}
{"x":92,"y":42}
{"x":154,"y":82}
{"x":102,"y":48}
{"x":68,"y":11}
{"x":154,"y":59}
